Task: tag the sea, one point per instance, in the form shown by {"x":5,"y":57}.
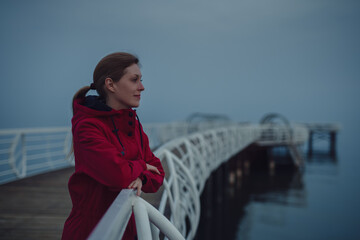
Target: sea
{"x":319,"y":201}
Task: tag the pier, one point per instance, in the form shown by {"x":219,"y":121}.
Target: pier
{"x":322,"y":132}
{"x":36,"y":207}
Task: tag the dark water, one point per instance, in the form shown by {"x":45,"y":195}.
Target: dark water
{"x":320,"y":202}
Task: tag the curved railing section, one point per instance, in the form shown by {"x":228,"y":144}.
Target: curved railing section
{"x":188,"y":162}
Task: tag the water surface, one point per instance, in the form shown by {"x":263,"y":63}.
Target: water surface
{"x":320,"y":202}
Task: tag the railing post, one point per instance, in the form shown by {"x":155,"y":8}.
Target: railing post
{"x":162,"y":222}
{"x":12,"y":155}
{"x":154,"y":232}
{"x":332,"y":143}
{"x":142,"y":221}
{"x":21,"y":171}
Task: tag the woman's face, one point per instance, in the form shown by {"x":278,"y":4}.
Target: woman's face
{"x":126,"y":92}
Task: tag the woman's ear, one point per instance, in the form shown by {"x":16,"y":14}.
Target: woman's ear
{"x":109,"y":84}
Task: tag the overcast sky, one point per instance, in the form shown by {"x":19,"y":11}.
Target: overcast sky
{"x":244,"y":58}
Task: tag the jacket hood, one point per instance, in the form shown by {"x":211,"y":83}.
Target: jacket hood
{"x":94,"y":107}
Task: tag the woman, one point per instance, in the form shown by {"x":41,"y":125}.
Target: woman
{"x":111,"y":150}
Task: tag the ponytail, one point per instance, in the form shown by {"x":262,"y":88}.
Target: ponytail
{"x":80,"y":94}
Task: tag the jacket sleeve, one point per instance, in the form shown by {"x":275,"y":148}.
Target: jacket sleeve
{"x":153,"y":180}
{"x":97,"y":157}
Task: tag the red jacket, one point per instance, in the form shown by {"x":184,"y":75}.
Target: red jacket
{"x":111,"y":150}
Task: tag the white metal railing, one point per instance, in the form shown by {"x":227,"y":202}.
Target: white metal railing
{"x":26,"y":152}
{"x":189,"y":161}
{"x":274,"y":134}
{"x":160,"y":133}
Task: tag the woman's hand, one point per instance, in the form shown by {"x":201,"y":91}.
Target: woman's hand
{"x":136,"y":184}
{"x":152,"y":168}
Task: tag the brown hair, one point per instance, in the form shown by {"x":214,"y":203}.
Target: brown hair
{"x":111,"y":66}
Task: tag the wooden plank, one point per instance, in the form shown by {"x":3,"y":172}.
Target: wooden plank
{"x":35,"y":207}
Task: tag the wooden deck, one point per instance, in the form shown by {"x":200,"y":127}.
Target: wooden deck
{"x":35,"y":207}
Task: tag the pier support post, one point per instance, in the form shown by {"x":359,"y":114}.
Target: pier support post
{"x":332,"y":144}
{"x":218,"y":200}
{"x":208,"y":205}
{"x":271,"y":165}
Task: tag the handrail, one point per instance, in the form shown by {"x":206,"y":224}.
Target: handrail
{"x":145,"y":216}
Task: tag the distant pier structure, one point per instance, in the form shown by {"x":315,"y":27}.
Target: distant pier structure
{"x":277,"y":132}
{"x":322,"y":131}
